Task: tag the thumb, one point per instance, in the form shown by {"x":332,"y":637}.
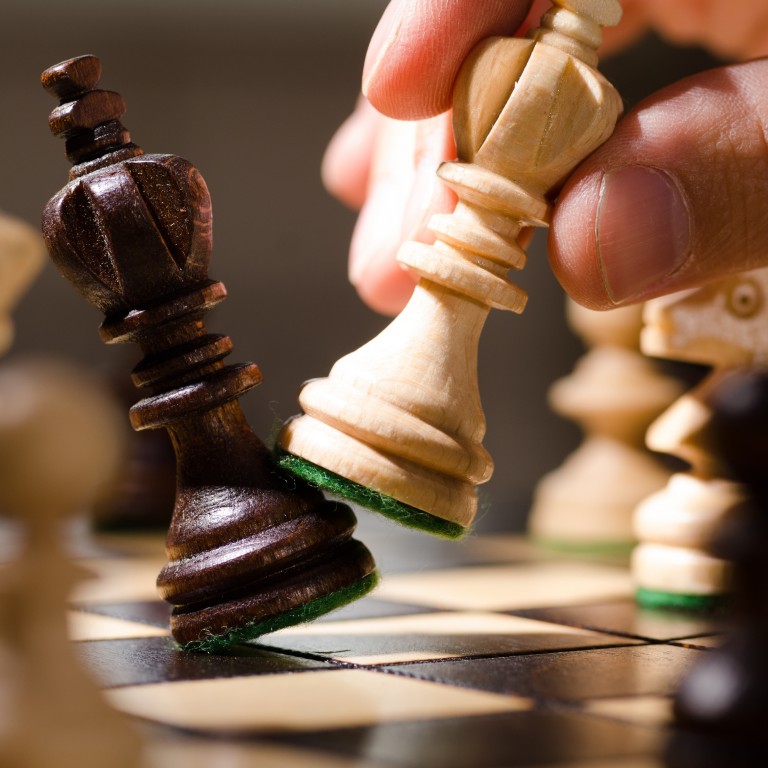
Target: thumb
{"x":676,"y":197}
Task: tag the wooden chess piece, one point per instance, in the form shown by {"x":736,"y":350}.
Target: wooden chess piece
{"x":724,"y":699}
{"x":722,"y":325}
{"x":398,"y":424}
{"x":614,"y":393}
{"x":249,"y":549}
{"x":21,"y":258}
{"x":143,"y":494}
{"x":59,"y":444}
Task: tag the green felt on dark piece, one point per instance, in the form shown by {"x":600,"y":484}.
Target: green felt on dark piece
{"x":366,"y":497}
{"x":651,"y":598}
{"x":300,"y":615}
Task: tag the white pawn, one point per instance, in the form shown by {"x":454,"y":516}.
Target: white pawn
{"x":724,"y":325}
{"x":398,"y":424}
{"x":614,"y":393}
{"x":59,"y":445}
{"x":21,"y":257}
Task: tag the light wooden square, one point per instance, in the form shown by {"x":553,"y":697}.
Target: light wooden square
{"x":305,"y":701}
{"x":536,"y":585}
{"x":91,"y":626}
{"x":429,"y":634}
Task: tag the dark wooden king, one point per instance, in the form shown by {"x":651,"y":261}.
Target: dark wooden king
{"x":248,"y":551}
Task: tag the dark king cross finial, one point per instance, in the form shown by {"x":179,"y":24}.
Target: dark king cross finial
{"x":249,"y":552}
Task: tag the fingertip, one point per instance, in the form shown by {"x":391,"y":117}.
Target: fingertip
{"x":419,"y":46}
{"x":373,"y":269}
{"x":428,"y":194}
{"x":387,"y":290}
{"x":346,"y":164}
{"x":403,"y":193}
{"x":572,"y":244}
{"x":383,"y":39}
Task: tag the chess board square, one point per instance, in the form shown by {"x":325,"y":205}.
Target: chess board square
{"x":706,"y":642}
{"x":144,"y":661}
{"x":710,"y":749}
{"x":189,"y":751}
{"x":614,"y":762}
{"x":372,"y":608}
{"x":128,"y":543}
{"x":567,"y":676}
{"x":119,"y":579}
{"x":626,"y":617}
{"x":651,"y":710}
{"x":155,"y":613}
{"x":430,"y":636}
{"x":315,"y":700}
{"x":514,"y":587}
{"x":524,"y":738}
{"x":408,"y":551}
{"x":92,"y":626}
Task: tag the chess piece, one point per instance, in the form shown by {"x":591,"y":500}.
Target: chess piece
{"x":398,"y":424}
{"x":144,"y":491}
{"x":133,"y":500}
{"x":59,"y":444}
{"x":614,"y":393}
{"x":724,"y":698}
{"x":21,"y":258}
{"x":249,"y":549}
{"x":722,"y":325}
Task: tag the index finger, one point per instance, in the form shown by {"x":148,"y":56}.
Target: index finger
{"x":419,"y":46}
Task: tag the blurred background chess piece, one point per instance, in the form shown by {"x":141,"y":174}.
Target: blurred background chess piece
{"x":722,"y":325}
{"x":613,"y":393}
{"x":22,"y":255}
{"x":60,"y":444}
{"x":720,"y":707}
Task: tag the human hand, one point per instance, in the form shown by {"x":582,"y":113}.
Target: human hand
{"x":676,"y":197}
{"x":386,"y":168}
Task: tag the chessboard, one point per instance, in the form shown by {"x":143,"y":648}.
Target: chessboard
{"x":482,"y":653}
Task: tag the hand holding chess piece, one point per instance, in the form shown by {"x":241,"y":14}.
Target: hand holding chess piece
{"x":666,"y":161}
{"x":59,"y":446}
{"x":249,"y":550}
{"x":398,"y":424}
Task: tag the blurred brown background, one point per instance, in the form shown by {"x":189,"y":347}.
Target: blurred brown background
{"x":250,"y":91}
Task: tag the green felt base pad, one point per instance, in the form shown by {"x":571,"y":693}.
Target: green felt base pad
{"x":651,"y":598}
{"x":304,"y":613}
{"x":365,"y":497}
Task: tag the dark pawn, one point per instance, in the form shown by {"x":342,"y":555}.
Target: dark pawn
{"x":249,"y":551}
{"x":722,"y":705}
